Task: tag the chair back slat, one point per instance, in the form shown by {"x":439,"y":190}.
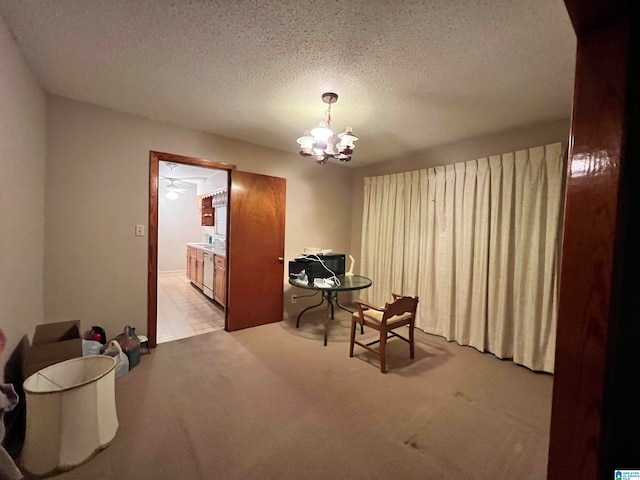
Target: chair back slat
{"x":400,"y":306}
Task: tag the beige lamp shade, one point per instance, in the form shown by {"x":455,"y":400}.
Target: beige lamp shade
{"x":71,"y":414}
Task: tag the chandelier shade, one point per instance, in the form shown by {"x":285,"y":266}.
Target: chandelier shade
{"x":319,"y":143}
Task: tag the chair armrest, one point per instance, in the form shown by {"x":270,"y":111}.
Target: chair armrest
{"x":362,"y":303}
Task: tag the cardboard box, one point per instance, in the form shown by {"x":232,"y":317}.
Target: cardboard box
{"x":53,"y":343}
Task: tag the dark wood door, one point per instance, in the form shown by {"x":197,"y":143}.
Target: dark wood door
{"x":255,"y":270}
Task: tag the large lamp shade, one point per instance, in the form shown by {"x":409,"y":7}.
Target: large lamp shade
{"x":71,"y":414}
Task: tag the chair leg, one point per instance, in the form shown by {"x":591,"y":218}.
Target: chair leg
{"x":383,"y":353}
{"x":353,"y":337}
{"x":411,"y":344}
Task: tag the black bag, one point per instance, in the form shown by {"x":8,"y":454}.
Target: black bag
{"x":130,"y":344}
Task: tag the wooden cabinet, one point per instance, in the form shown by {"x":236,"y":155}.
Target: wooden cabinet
{"x":192,"y":254}
{"x":199,"y":268}
{"x":220,"y":279}
{"x":195,"y":273}
{"x":195,"y":266}
{"x":207,"y":212}
{"x":189,"y":263}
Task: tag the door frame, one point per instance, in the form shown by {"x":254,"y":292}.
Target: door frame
{"x":152,"y":257}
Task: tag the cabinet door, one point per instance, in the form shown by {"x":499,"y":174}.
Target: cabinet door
{"x":189,"y":263}
{"x":192,"y":265}
{"x":207,"y":212}
{"x":199,"y":268}
{"x":220,"y":280}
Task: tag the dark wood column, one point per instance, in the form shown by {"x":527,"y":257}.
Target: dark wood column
{"x":597,"y":375}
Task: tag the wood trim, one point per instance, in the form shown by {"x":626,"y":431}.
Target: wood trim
{"x":587,"y":15}
{"x":152,"y":252}
{"x":621,"y":416}
{"x":152,"y":261}
{"x":171,"y":157}
{"x":588,"y":385}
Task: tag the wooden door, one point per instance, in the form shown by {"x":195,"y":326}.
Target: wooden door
{"x":255,"y":269}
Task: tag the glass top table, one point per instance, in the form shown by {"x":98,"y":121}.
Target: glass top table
{"x":330,"y":294}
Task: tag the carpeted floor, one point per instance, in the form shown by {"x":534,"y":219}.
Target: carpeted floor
{"x":272,"y":403}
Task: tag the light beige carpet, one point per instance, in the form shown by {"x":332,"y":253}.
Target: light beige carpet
{"x":272,"y":403}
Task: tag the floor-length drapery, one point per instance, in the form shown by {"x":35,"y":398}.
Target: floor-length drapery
{"x":479,"y":242}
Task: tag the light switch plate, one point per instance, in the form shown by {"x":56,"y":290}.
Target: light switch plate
{"x":139,"y":230}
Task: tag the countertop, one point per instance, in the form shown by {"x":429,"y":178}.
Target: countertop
{"x":208,"y":247}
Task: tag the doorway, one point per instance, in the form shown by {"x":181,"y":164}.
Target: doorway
{"x":256,"y":204}
{"x":176,"y":308}
{"x":184,"y":308}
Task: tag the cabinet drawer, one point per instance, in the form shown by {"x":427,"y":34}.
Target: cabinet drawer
{"x":200,"y":255}
{"x":219,"y":261}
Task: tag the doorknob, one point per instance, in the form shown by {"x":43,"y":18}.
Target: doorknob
{"x":281,"y":259}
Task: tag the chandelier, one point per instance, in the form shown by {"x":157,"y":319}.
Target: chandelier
{"x":319,"y":143}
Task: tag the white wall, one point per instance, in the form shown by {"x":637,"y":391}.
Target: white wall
{"x":471,"y":149}
{"x":178,"y":223}
{"x":22,"y":172}
{"x":97,"y":190}
{"x":214,"y":182}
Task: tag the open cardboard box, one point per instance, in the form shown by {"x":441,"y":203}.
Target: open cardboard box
{"x":53,"y":343}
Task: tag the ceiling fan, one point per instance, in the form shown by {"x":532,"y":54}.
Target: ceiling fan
{"x":172,"y":189}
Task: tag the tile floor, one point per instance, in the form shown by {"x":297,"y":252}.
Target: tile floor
{"x":183,"y":310}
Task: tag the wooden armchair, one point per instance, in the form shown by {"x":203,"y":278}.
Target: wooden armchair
{"x":402,"y":311}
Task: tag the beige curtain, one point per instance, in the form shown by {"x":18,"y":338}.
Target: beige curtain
{"x":479,"y":243}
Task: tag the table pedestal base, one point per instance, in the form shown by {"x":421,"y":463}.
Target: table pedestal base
{"x":330,"y":297}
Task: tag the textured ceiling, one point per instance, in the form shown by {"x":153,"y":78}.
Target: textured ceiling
{"x":410,"y":74}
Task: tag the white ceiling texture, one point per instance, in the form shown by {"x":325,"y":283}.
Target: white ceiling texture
{"x":409,"y":74}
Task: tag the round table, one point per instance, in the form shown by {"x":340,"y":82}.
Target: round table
{"x":330,"y":294}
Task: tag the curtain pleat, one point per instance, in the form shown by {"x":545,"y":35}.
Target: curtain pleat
{"x":478,"y":242}
{"x":500,"y":272}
